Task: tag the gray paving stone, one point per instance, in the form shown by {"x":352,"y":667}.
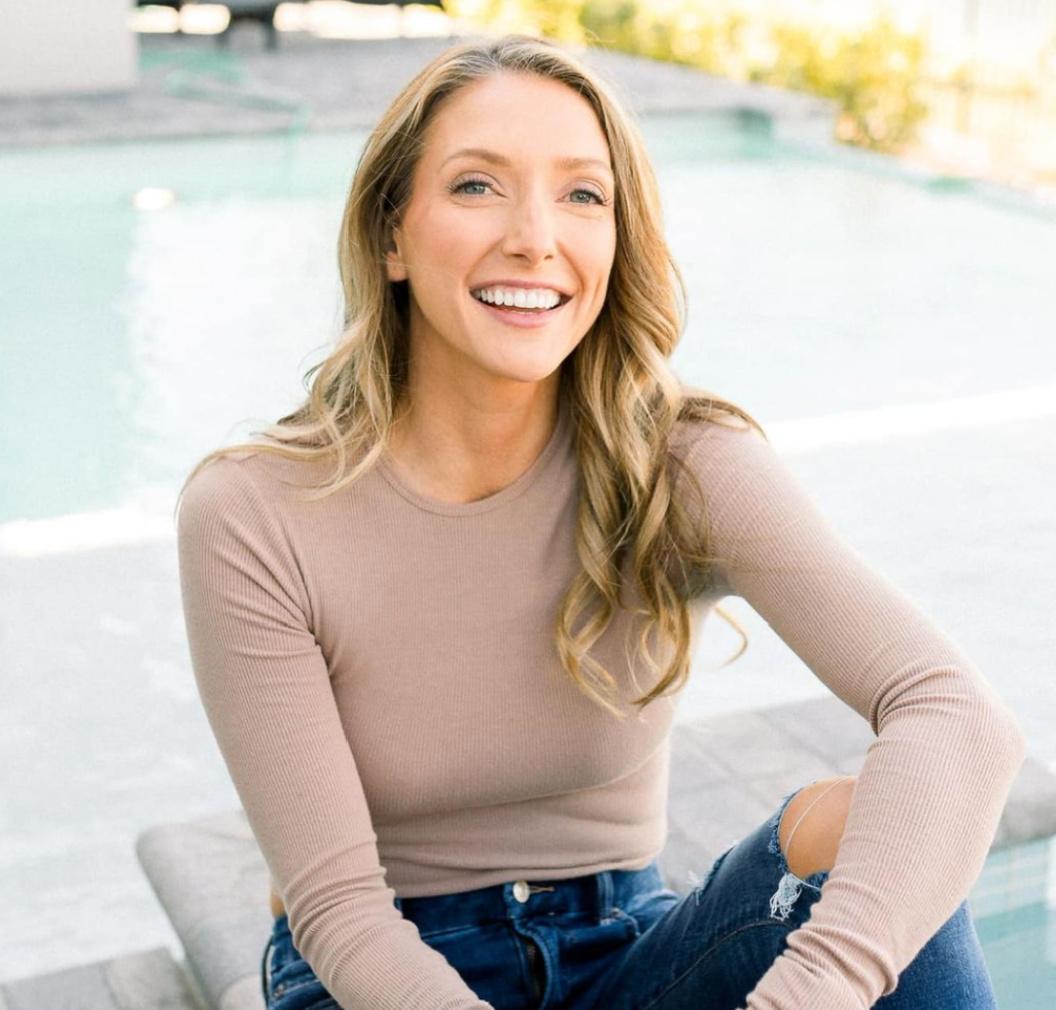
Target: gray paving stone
{"x":826,"y":726}
{"x":243,"y":994}
{"x":850,"y":765}
{"x":753,"y":746}
{"x":144,"y":980}
{"x":771,"y":788}
{"x":692,"y":763}
{"x":81,"y":988}
{"x":189,"y":87}
{"x":704,"y":824}
{"x":149,"y":980}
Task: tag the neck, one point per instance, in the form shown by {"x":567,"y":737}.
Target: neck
{"x":460,"y":449}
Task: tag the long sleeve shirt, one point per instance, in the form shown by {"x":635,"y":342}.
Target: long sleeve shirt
{"x":379,"y":670}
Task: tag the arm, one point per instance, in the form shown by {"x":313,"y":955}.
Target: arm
{"x":930,"y":793}
{"x":266,"y":691}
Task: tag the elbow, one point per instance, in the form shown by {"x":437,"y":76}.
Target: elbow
{"x":1017,"y":740}
{"x":1007,"y":738}
{"x":1015,"y":735}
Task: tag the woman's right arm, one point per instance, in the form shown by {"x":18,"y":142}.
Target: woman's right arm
{"x":266,"y":692}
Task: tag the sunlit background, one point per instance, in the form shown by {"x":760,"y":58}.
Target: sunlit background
{"x":978,"y":77}
{"x":881,"y":298}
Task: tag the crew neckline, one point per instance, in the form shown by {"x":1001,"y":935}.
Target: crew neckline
{"x":492,"y":501}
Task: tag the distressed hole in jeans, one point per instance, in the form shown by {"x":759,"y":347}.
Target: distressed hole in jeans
{"x":789,"y":886}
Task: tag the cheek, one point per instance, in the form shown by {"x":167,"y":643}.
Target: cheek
{"x":597,"y":244}
{"x":450,"y":240}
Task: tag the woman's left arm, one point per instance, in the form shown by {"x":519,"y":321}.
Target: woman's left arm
{"x":934,"y":782}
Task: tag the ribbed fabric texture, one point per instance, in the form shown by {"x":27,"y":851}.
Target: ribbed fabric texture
{"x":380,"y":673}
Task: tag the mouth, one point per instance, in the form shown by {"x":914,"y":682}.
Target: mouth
{"x":524,"y":317}
{"x":527,"y":310}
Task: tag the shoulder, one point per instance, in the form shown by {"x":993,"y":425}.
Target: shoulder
{"x":730,"y":475}
{"x":718,"y":444}
{"x":233,"y":539}
{"x":248,"y":491}
{"x":231,"y":530}
{"x":216,"y":486}
{"x":250,"y":474}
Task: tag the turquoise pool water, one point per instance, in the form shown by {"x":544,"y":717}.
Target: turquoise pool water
{"x":135,"y":340}
{"x":896,"y":337}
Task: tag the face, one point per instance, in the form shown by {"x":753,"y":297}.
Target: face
{"x":513,"y":196}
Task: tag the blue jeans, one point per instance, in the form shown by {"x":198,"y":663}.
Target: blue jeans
{"x":621,"y":940}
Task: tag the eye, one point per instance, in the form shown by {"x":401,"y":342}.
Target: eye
{"x":598,"y":198}
{"x":460,"y":187}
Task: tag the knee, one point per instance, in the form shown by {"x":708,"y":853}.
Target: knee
{"x":810,"y":844}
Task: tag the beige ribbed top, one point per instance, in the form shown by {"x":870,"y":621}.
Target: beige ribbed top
{"x":380,"y":673}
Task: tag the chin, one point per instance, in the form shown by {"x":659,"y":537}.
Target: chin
{"x":525,"y":375}
{"x":528,"y":371}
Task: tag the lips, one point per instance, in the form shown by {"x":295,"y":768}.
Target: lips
{"x":527,"y":318}
{"x":521,"y":284}
{"x":562,"y":299}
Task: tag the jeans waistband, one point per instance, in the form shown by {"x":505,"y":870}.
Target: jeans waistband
{"x":594,"y":894}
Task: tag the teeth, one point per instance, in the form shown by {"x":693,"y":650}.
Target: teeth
{"x":521,"y":298}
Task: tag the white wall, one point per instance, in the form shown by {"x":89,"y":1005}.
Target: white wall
{"x":56,"y":46}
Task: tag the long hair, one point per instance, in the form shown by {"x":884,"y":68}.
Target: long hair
{"x":624,"y":399}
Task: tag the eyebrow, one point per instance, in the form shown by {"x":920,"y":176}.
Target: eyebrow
{"x":497,"y":159}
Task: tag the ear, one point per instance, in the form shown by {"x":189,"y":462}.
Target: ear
{"x":394,"y":265}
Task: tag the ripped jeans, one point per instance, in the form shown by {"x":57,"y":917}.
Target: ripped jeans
{"x":621,"y":940}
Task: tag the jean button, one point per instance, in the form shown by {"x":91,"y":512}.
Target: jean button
{"x":520,"y":890}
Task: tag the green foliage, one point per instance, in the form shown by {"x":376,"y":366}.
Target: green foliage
{"x":873,"y":73}
{"x":610,"y":23}
{"x":557,"y":19}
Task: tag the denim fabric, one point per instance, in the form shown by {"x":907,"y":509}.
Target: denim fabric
{"x":621,"y":940}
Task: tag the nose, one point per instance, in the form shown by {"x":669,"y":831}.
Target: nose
{"x":530,"y":229}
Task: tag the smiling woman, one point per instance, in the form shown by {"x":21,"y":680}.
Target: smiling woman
{"x":507,"y":246}
{"x":410,"y":605}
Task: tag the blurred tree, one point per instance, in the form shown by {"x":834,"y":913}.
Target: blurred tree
{"x":873,"y":72}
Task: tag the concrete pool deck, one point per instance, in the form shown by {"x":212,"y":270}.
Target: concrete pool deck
{"x":190,"y":86}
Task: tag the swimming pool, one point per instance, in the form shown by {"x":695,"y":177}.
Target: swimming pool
{"x":895,"y":337}
{"x":135,"y":340}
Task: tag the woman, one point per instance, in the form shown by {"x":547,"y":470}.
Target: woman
{"x":411,"y":608}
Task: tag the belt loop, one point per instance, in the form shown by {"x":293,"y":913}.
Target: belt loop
{"x":604,"y":879}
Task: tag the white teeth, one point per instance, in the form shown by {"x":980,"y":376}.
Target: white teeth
{"x":522,"y":298}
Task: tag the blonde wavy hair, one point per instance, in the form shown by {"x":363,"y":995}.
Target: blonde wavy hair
{"x":623,"y":397}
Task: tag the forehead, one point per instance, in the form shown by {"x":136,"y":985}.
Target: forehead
{"x":519,"y":114}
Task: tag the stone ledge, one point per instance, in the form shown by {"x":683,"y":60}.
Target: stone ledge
{"x":728,"y":774}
